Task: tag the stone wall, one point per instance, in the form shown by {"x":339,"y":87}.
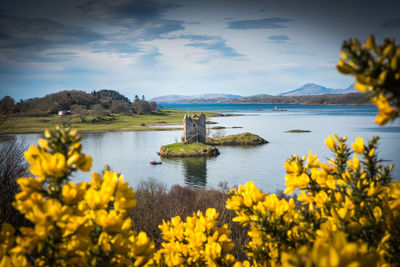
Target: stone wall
{"x":194,"y":129}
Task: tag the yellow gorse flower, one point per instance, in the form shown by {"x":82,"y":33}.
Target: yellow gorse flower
{"x":196,"y":242}
{"x":346,"y":213}
{"x":74,"y":224}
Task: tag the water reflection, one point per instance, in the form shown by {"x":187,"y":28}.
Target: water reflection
{"x":194,"y":171}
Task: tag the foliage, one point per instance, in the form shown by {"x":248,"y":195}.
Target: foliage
{"x":84,"y":224}
{"x":63,"y":100}
{"x":12,"y":166}
{"x":81,"y":111}
{"x":377,"y":72}
{"x":141,"y":106}
{"x":7,"y":105}
{"x":111,"y":94}
{"x":196,"y":242}
{"x":349,"y":214}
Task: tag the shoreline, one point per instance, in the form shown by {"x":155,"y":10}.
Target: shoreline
{"x":119,"y":123}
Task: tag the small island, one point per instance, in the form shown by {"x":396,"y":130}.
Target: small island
{"x":182,"y":150}
{"x":297,"y":131}
{"x":196,"y":144}
{"x":236,"y":139}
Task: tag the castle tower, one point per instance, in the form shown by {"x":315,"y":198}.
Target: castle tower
{"x":194,"y":129}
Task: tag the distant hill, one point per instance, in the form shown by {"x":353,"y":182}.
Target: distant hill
{"x":325,"y":99}
{"x":114,"y":95}
{"x":316,"y":89}
{"x":67,"y":99}
{"x":198,"y":98}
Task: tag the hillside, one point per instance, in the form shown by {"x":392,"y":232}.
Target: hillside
{"x":309,"y":89}
{"x":199,"y":98}
{"x":316,"y":89}
{"x":327,"y":99}
{"x":79,"y":102}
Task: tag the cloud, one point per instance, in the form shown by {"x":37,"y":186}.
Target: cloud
{"x":393,"y":23}
{"x":293,"y":52}
{"x":209,"y":42}
{"x":26,"y":39}
{"x":279,"y":39}
{"x":26,"y":32}
{"x":116,"y":45}
{"x":144,"y":17}
{"x":219,"y":46}
{"x":267,"y":23}
{"x":195,"y":37}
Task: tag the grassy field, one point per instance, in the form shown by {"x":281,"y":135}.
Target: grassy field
{"x":116,"y":123}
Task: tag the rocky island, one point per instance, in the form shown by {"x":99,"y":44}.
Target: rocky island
{"x":196,"y":144}
{"x":236,"y":139}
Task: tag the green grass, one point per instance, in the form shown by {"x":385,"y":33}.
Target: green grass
{"x":237,"y":139}
{"x":188,"y":150}
{"x":116,"y":123}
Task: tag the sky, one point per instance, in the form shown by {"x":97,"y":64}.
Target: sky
{"x":184,"y":47}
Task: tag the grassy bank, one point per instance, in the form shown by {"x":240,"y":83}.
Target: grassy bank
{"x":236,"y":139}
{"x":181,"y":150}
{"x":148,"y":122}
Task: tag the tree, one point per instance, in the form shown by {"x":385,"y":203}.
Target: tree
{"x":140,"y":106}
{"x":7,"y":105}
{"x":99,"y":112}
{"x":120,"y":107}
{"x":81,"y":111}
{"x":153,"y":106}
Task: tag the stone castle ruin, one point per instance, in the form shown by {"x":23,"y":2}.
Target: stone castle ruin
{"x":194,"y":129}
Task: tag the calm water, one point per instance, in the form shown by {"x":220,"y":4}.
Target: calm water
{"x":130,"y":152}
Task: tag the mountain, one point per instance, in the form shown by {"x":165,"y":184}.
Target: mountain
{"x":316,"y":89}
{"x":197,"y":98}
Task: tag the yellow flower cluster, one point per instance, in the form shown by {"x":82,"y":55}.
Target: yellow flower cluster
{"x":345,"y":213}
{"x":196,"y":242}
{"x":377,"y":72}
{"x":342,"y":202}
{"x":84,"y":224}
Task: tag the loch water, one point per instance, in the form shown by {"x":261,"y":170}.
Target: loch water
{"x":130,"y":153}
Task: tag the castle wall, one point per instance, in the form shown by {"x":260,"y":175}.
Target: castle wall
{"x":194,"y":129}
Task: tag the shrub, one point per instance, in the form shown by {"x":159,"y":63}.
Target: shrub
{"x":84,"y":224}
{"x":12,"y":166}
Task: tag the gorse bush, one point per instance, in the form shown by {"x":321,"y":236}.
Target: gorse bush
{"x":350,"y":211}
{"x":347,"y":212}
{"x":12,"y":166}
{"x":84,"y":224}
{"x":377,"y":71}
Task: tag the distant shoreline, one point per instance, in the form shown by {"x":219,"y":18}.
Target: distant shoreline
{"x":118,"y":123}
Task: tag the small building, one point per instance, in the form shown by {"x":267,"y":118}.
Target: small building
{"x":64,"y":112}
{"x":194,"y":129}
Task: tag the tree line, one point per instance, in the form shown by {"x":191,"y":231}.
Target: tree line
{"x":97,"y":104}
